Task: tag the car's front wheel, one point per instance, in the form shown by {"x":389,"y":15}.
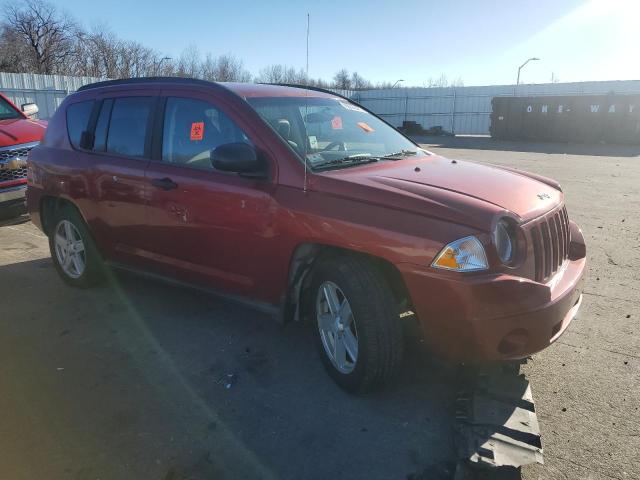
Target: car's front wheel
{"x":73,"y":252}
{"x":359,"y":334}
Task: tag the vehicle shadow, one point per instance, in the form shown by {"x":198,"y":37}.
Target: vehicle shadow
{"x":487,"y":143}
{"x":178,"y":384}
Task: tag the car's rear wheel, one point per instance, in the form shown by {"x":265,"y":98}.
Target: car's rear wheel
{"x":358,"y":332}
{"x":73,"y":252}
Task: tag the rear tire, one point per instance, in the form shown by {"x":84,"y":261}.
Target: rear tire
{"x":73,"y":251}
{"x":353,"y":302}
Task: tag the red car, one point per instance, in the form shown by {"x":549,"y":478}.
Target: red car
{"x":307,"y":206}
{"x":18,"y":135}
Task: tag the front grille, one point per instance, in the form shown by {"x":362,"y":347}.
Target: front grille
{"x":17,"y":174}
{"x":550,"y":238}
{"x":20,"y":152}
{"x":9,"y":153}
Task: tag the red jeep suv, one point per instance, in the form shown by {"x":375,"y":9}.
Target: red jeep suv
{"x":305,"y":205}
{"x":18,"y":135}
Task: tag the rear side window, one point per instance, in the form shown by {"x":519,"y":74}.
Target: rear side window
{"x":78,"y":115}
{"x":129,"y":126}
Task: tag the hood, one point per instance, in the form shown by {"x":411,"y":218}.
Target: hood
{"x":470,"y":190}
{"x":21,"y":130}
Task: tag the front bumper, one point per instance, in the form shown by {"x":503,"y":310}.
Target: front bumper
{"x":490,"y":317}
{"x":12,"y":195}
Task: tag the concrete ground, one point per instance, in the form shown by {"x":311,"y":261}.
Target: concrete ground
{"x":141,"y":380}
{"x":587,"y":385}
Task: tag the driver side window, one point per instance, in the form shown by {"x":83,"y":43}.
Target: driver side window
{"x":192,"y":128}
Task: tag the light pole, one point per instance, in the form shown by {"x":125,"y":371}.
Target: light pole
{"x":397,"y":82}
{"x":160,"y":62}
{"x":520,"y":68}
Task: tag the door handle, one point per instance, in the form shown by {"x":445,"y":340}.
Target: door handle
{"x":164,"y":183}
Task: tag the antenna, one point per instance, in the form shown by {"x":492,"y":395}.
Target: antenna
{"x":307,"y":47}
{"x":306,"y":112}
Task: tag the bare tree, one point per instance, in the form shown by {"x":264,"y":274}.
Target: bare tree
{"x":358,"y":82}
{"x":282,"y":74}
{"x":342,"y":80}
{"x":48,"y":34}
{"x":208,"y":69}
{"x":230,"y":69}
{"x":272,"y":74}
{"x":13,"y":52}
{"x":95,"y":53}
{"x":189,"y":62}
{"x":439,"y":82}
{"x":384,"y":85}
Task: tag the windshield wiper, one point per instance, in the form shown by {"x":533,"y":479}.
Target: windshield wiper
{"x":357,"y":159}
{"x":401,"y":153}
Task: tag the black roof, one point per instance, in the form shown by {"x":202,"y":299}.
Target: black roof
{"x":143,"y":80}
{"x":194,"y":81}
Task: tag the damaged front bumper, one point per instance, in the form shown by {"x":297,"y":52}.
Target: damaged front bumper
{"x":493,"y":317}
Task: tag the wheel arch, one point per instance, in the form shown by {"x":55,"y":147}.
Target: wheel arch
{"x":50,"y":205}
{"x":307,"y":255}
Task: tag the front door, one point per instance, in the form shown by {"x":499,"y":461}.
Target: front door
{"x":208,"y":226}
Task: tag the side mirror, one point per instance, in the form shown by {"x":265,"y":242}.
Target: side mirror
{"x":29,"y":109}
{"x":239,"y":158}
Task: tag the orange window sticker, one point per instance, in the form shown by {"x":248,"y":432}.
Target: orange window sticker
{"x":364,"y":126}
{"x":197,"y":131}
{"x":336,"y":123}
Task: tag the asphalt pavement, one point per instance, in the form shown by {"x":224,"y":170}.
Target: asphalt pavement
{"x":140,"y":380}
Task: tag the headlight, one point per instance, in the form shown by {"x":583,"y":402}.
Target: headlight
{"x":504,"y":238}
{"x":464,"y":255}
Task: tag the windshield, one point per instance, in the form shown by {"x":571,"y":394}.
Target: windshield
{"x":7,"y":112}
{"x":332,"y":132}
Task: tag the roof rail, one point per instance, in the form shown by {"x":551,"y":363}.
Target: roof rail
{"x":137,"y":80}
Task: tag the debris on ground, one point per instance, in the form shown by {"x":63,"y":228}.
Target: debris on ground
{"x":497,"y":428}
{"x":227,"y":380}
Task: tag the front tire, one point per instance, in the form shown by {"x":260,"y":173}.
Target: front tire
{"x":358,"y":332}
{"x":73,"y":251}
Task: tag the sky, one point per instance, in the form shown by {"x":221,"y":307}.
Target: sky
{"x":480,"y":42}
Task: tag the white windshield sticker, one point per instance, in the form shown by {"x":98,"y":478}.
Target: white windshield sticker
{"x":313,"y":141}
{"x":351,"y":106}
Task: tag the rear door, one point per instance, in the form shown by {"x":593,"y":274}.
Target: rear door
{"x":209,"y":226}
{"x":122,"y":143}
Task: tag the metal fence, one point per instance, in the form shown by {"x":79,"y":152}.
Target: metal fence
{"x":47,"y":91}
{"x":460,"y":110}
{"x":467,"y":110}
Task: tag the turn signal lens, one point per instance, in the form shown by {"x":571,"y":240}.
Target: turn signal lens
{"x":464,"y":255}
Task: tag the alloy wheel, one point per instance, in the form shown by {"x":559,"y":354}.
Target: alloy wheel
{"x":70,"y":251}
{"x":337,"y":327}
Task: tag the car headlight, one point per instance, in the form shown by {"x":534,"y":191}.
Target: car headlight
{"x":504,"y":238}
{"x":464,"y":255}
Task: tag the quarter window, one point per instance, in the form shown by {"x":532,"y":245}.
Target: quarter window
{"x":78,"y":115}
{"x":192,"y":128}
{"x":130,"y":119}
